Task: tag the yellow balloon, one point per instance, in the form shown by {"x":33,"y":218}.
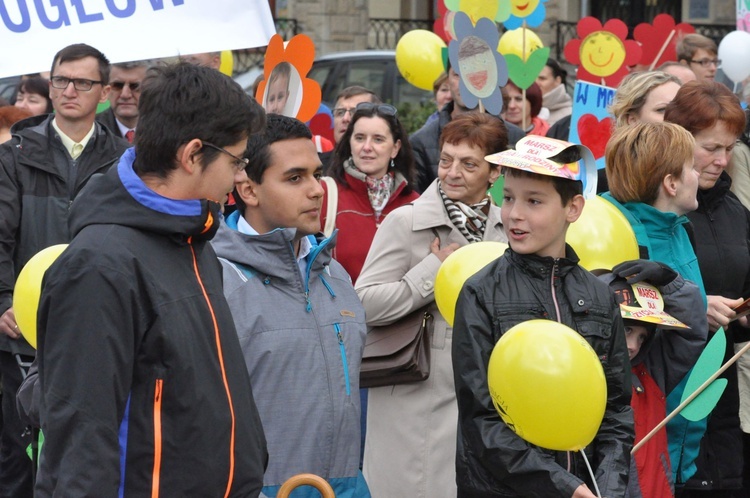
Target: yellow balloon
{"x":548,"y":385}
{"x":28,"y":290}
{"x":227,"y":62}
{"x":512,"y":42}
{"x":602,"y":237}
{"x":456,"y":270}
{"x":419,"y":57}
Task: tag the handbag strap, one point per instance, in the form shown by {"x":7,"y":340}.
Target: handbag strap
{"x":333,"y":202}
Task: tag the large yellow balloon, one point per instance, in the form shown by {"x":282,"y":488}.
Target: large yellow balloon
{"x":456,"y":270}
{"x":548,"y":385}
{"x":419,"y":57}
{"x":512,"y":42}
{"x":28,"y":290}
{"x":602,"y":237}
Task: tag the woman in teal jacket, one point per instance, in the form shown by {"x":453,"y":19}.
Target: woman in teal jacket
{"x":655,"y":191}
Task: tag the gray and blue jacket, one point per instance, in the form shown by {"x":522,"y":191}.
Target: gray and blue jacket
{"x":302,"y":336}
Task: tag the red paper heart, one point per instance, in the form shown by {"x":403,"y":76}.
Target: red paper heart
{"x":653,"y":37}
{"x":594,"y":133}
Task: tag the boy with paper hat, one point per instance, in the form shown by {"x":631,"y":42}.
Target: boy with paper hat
{"x":539,"y":277}
{"x":653,"y":298}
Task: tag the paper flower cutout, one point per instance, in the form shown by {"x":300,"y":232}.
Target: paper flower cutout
{"x":495,"y":10}
{"x":443,"y":25}
{"x":483,"y":70}
{"x":660,"y":39}
{"x":602,"y":52}
{"x":300,"y":53}
{"x":531,"y":11}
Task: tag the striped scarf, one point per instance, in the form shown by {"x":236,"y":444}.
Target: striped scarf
{"x":470,"y":220}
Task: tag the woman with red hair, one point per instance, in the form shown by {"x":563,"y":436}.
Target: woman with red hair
{"x":713,"y":462}
{"x":524,"y":114}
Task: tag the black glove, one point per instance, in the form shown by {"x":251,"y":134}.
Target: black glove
{"x":652,"y":272}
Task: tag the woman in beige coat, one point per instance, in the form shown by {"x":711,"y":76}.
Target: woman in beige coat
{"x":410,"y":446}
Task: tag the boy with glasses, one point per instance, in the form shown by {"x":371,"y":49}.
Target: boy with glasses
{"x":700,"y":54}
{"x":144,"y":389}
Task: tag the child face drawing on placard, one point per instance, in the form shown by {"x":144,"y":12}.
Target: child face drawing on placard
{"x":278,"y":89}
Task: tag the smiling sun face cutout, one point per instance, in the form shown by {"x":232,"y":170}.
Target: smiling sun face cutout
{"x":522,"y":8}
{"x":602,"y":53}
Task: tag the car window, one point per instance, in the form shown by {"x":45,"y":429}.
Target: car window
{"x":369,"y":74}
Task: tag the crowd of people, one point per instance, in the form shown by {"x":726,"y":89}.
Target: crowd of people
{"x":203,"y":332}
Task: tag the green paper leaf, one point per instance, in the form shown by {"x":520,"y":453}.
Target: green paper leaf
{"x":523,"y":73}
{"x":701,"y":406}
{"x":708,"y":363}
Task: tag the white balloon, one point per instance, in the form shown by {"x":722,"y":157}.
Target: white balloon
{"x":734,"y":52}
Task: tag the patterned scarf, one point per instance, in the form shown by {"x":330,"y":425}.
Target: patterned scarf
{"x":470,"y":220}
{"x":379,"y":190}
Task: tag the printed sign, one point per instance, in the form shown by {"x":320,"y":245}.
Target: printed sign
{"x":32,"y":31}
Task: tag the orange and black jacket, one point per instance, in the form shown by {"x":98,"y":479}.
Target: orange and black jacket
{"x":145,"y":391}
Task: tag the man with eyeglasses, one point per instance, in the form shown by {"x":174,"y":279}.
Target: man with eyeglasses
{"x":144,"y":388}
{"x":700,"y":54}
{"x":125,"y":82}
{"x":42,"y":168}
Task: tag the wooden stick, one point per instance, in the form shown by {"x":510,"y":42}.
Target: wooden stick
{"x":523,"y":110}
{"x":661,"y":50}
{"x":481,"y":107}
{"x":690,"y":398}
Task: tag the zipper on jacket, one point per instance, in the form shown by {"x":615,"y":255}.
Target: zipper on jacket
{"x":327,"y":285}
{"x":345,"y":363}
{"x":310,"y":259}
{"x":222,"y":368}
{"x":554,"y":295}
{"x":157,"y":438}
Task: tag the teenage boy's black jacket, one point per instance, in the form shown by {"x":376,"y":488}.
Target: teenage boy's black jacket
{"x":38,"y":182}
{"x":144,"y":386}
{"x":491,"y":459}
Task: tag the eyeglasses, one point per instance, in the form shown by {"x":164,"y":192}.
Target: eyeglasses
{"x":707,"y":62}
{"x":240,"y":163}
{"x":340,"y":112}
{"x":384,"y":109}
{"x":119,"y":85}
{"x":80,"y":84}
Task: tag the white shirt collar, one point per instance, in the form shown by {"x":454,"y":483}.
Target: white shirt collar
{"x":305,"y":246}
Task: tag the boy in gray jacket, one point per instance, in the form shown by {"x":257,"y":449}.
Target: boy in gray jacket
{"x":301,"y":326}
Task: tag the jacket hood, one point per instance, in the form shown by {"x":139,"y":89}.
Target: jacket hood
{"x":31,"y":122}
{"x":664,"y":223}
{"x":120,"y":197}
{"x":272,"y":253}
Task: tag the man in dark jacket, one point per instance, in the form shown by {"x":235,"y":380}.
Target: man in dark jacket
{"x":42,"y":168}
{"x":425,"y":142}
{"x":125,"y":81}
{"x":144,"y":386}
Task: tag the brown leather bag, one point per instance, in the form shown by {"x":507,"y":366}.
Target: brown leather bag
{"x":398,"y":353}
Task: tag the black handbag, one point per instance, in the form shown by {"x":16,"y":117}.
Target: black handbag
{"x":398,"y":353}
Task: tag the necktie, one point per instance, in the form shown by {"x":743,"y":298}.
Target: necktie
{"x":130,"y":135}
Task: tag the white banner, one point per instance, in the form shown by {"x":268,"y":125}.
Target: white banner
{"x":32,"y":31}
